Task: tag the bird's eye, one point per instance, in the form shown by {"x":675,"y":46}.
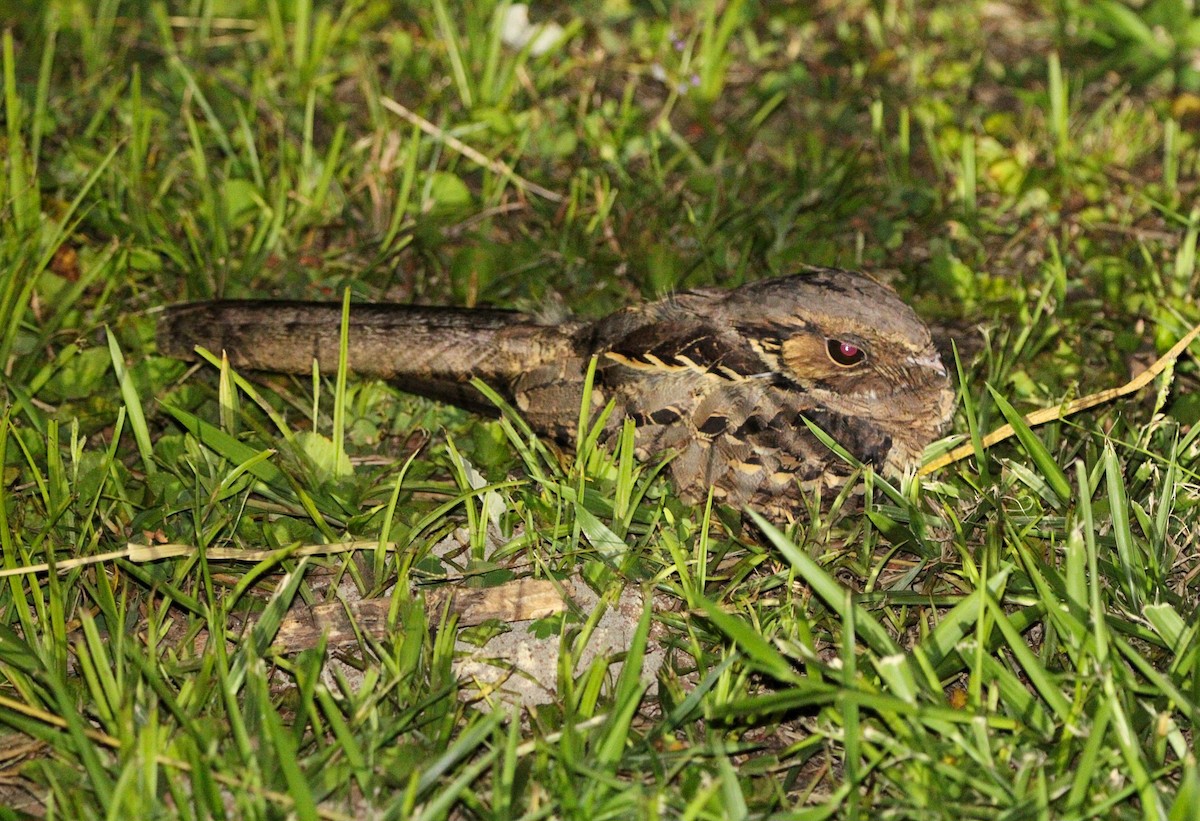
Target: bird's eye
{"x":846,"y":354}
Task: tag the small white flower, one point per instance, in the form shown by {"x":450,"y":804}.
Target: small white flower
{"x":517,"y":32}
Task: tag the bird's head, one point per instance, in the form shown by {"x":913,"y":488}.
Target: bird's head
{"x":857,"y":351}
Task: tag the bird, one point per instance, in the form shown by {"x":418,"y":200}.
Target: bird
{"x":721,"y":380}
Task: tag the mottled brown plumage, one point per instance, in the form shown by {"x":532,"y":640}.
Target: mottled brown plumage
{"x":720,"y":378}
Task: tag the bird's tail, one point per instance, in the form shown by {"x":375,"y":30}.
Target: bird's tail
{"x":430,"y":351}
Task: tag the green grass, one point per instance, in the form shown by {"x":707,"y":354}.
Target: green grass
{"x":1012,"y":637}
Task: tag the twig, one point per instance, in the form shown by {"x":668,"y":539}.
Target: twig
{"x":1039,"y":417}
{"x":496,"y":166}
{"x":152,"y":553}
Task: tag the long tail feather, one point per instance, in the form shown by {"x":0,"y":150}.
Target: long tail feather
{"x":430,"y":351}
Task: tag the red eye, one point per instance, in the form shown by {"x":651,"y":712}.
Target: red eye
{"x":845,"y":354}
